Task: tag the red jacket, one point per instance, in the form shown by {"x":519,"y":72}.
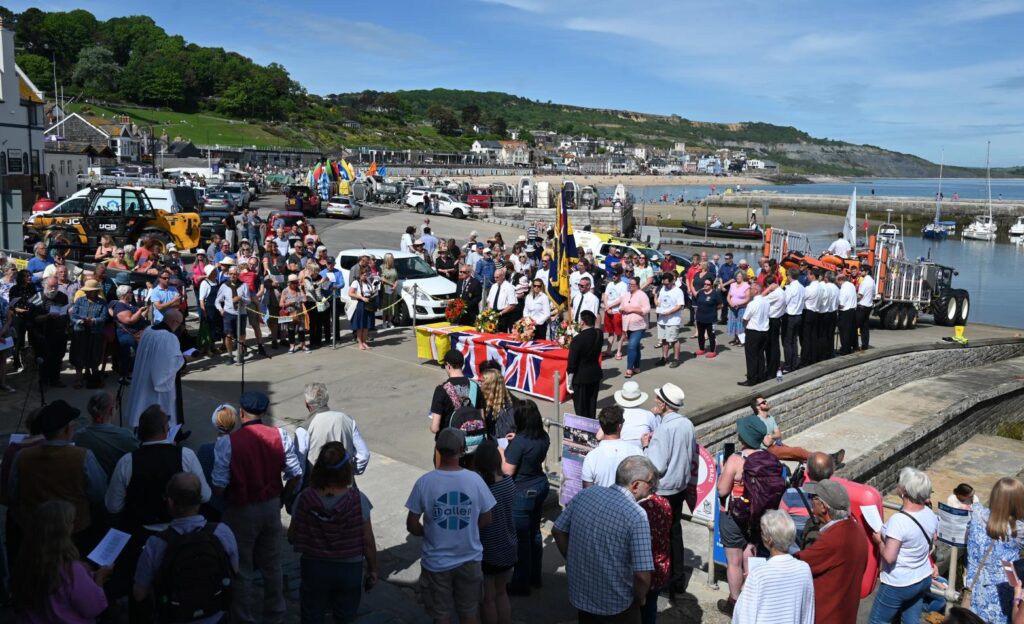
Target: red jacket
{"x":838,"y":560}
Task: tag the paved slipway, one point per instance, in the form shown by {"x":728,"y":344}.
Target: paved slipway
{"x":387,"y":390}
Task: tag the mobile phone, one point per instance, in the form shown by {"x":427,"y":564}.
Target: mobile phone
{"x":1011,"y":574}
{"x":728,"y":449}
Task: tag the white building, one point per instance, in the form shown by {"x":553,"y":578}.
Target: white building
{"x":490,"y":149}
{"x":21,"y":132}
{"x":514,"y":153}
{"x":755,"y":164}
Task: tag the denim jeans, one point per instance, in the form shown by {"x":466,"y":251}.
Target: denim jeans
{"x":527,"y":507}
{"x":126,"y":344}
{"x":633,"y":352}
{"x":330,"y":585}
{"x":891,"y":602}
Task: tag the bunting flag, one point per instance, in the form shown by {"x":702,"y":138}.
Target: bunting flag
{"x":372,"y":171}
{"x":383,"y":171}
{"x":563,"y":254}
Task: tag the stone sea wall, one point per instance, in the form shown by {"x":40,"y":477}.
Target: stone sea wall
{"x":875,"y":205}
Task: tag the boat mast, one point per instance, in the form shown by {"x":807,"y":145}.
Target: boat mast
{"x":988,"y":179}
{"x":938,"y":197}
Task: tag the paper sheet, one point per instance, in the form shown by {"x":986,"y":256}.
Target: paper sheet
{"x":173,"y":433}
{"x":109,"y":548}
{"x":6,"y":343}
{"x":871,"y":517}
{"x":16,"y":438}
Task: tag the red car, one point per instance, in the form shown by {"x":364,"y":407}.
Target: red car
{"x":479,"y":197}
{"x":294,"y":223}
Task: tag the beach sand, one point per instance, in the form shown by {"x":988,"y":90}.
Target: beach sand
{"x":631,"y":182}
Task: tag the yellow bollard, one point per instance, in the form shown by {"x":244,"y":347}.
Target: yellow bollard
{"x":958,"y":335}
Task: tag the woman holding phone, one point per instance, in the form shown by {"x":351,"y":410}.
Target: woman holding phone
{"x":994,"y":534}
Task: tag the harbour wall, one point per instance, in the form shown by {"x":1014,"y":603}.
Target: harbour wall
{"x":913,"y":207}
{"x":816,"y":394}
{"x":605,"y":220}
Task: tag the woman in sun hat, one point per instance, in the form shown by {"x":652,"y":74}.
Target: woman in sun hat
{"x":88,"y":315}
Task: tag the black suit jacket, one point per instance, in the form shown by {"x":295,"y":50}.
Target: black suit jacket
{"x":470,"y":291}
{"x":585,"y":356}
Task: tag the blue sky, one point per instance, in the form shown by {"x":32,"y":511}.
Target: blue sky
{"x":911,"y":76}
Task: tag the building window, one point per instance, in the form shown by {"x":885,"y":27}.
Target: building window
{"x":36,"y":169}
{"x":25,"y":163}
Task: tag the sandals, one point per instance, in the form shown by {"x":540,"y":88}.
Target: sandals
{"x":618,"y":356}
{"x":628,"y":374}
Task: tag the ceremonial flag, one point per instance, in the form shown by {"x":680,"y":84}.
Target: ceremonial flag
{"x":564,"y":250}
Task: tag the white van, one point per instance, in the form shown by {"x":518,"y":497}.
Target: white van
{"x":432,"y":292}
{"x":163,"y":199}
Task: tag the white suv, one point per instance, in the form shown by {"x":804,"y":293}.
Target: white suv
{"x":440,"y":203}
{"x":424,"y":292}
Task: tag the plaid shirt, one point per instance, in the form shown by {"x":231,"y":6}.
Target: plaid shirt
{"x":609,"y":540}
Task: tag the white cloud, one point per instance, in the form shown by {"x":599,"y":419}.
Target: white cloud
{"x":531,"y":6}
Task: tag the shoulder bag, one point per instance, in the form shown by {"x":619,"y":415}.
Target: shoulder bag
{"x":965,"y":595}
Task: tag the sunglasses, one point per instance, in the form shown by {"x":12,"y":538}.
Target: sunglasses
{"x":165,"y":277}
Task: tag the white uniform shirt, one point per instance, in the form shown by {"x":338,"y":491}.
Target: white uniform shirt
{"x":581,"y":302}
{"x":574,"y":281}
{"x":600,"y":464}
{"x":506,"y":294}
{"x":813,"y":296}
{"x":840,"y":247}
{"x":831,"y":297}
{"x":867,"y":291}
{"x":537,"y":307}
{"x":847,"y":296}
{"x":614,"y":292}
{"x":794,"y":298}
{"x":756,"y":314}
{"x":776,"y":303}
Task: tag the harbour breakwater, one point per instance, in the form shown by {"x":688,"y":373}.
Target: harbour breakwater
{"x":914,"y":208}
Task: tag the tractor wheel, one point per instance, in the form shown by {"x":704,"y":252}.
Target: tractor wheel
{"x":911,"y":317}
{"x":949,"y":310}
{"x":901,"y":317}
{"x":161,"y":238}
{"x":61,"y":243}
{"x":963,"y":301}
{"x":890,"y":317}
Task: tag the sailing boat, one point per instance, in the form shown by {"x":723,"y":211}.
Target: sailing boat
{"x":984,"y":226}
{"x":939,"y":229}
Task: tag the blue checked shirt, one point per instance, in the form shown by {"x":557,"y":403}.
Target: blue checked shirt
{"x":609,"y":540}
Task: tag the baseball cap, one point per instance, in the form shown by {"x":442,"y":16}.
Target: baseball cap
{"x":832,"y":493}
{"x":450,"y":441}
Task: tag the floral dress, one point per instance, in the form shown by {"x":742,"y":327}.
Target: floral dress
{"x":992,"y":596}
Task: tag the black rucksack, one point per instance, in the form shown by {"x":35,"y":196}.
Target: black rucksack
{"x":194,"y":579}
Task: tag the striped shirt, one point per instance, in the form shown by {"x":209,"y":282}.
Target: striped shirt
{"x":499,"y":537}
{"x":609,"y":540}
{"x":781,"y":591}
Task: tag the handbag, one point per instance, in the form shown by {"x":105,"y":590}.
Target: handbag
{"x":965,"y":595}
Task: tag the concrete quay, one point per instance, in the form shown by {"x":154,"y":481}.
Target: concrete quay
{"x":387,"y":390}
{"x":962,"y":209}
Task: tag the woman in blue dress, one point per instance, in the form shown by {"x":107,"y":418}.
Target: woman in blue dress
{"x":995,"y":533}
{"x":364,"y":292}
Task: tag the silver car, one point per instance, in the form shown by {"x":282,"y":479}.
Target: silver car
{"x":339,"y":206}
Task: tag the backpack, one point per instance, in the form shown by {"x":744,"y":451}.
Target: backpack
{"x":471,"y":422}
{"x":763,"y":487}
{"x":194,"y":579}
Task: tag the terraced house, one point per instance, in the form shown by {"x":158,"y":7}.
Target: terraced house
{"x":21,"y":130}
{"x":122,"y":136}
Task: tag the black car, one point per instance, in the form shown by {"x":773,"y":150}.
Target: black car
{"x":211,"y":221}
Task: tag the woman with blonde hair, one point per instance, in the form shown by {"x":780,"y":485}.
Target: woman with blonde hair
{"x":50,"y":583}
{"x":498,"y":415}
{"x":994,"y":533}
{"x":389,"y":283}
{"x":106,"y":249}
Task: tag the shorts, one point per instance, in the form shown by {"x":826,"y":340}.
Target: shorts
{"x":668,"y":333}
{"x":231,"y":325}
{"x":460,"y":590}
{"x":494,"y":570}
{"x":730,"y":532}
{"x":613,"y":324}
{"x":255,"y":318}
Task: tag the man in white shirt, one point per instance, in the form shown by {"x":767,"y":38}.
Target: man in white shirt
{"x":583,"y":299}
{"x":600,"y":464}
{"x":637,"y":422}
{"x":576,"y":276}
{"x":755,"y":320}
{"x":544,"y":270}
{"x":840,"y":247}
{"x":782,"y":588}
{"x":613,"y":294}
{"x":502,"y":299}
{"x":474,"y":255}
{"x":793,"y":320}
{"x":776,"y":298}
{"x":847,"y":315}
{"x":865,"y":303}
{"x":670,"y":318}
{"x":812,"y":308}
{"x":232,"y":298}
{"x":829,"y":317}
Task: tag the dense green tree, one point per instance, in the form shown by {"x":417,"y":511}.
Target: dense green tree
{"x":125,"y":34}
{"x":39,"y":69}
{"x":471,"y":115}
{"x":389,"y":102}
{"x":69,"y":33}
{"x":443,"y":119}
{"x":96,"y":70}
{"x":499,"y":126}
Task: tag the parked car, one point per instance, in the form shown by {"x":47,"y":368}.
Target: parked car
{"x":389,"y":193}
{"x":424,"y":292}
{"x":239,"y":193}
{"x":441,"y":203}
{"x":211,"y":221}
{"x":166,"y":200}
{"x":340,"y":206}
{"x":294,"y":223}
{"x":219,"y":200}
{"x":479,"y":196}
{"x":74,"y":205}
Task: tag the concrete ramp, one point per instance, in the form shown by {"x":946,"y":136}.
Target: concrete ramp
{"x":980,"y":461}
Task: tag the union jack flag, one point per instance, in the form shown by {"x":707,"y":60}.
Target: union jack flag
{"x":464,"y":343}
{"x":522,"y":371}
